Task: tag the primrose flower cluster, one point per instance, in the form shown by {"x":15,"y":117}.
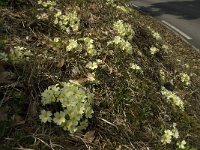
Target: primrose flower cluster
{"x":64,"y":20}
{"x":110,"y":2}
{"x":76,"y":47}
{"x":173,"y":98}
{"x":135,"y":67}
{"x":50,"y":4}
{"x":94,"y":65}
{"x":170,"y":134}
{"x":75,"y":102}
{"x":185,"y":78}
{"x":118,"y":7}
{"x":73,"y":46}
{"x":16,"y":55}
{"x":69,"y":19}
{"x":90,"y":46}
{"x":122,"y":44}
{"x":123,"y":29}
{"x":165,"y":48}
{"x":155,"y":34}
{"x":181,"y":144}
{"x":162,"y":76}
{"x":123,"y":9}
{"x":153,"y":50}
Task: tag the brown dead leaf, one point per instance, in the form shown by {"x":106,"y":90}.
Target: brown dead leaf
{"x":119,"y":147}
{"x":3,"y":115}
{"x":89,"y":137}
{"x":82,"y":80}
{"x":43,"y":42}
{"x":61,"y":63}
{"x":33,"y":109}
{"x":18,"y":120}
{"x":6,"y":76}
{"x":1,"y":67}
{"x":54,"y":48}
{"x":96,"y":141}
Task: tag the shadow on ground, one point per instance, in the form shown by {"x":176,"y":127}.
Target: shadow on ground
{"x":189,"y":9}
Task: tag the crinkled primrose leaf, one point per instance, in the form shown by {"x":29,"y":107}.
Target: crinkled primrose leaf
{"x":3,"y":56}
{"x":16,"y":55}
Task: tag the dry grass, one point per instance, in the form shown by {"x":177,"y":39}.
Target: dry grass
{"x":129,"y":111}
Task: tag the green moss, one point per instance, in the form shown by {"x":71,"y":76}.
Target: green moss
{"x":3,"y":2}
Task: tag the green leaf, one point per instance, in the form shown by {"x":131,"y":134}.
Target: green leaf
{"x":3,"y":126}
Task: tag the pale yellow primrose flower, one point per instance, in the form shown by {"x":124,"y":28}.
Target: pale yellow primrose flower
{"x":156,"y":35}
{"x":56,"y":39}
{"x":153,"y":50}
{"x":175,"y":133}
{"x":135,"y":66}
{"x":92,"y":65}
{"x":167,"y":137}
{"x":72,"y":45}
{"x":45,"y":116}
{"x":59,"y":118}
{"x":181,"y":145}
{"x":48,"y":96}
{"x":185,"y":78}
{"x":117,"y":40}
{"x":99,"y":61}
{"x":91,"y":76}
{"x":165,"y":48}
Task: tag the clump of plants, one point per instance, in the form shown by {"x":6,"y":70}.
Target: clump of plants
{"x":75,"y":103}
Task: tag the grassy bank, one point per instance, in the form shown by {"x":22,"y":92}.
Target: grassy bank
{"x":134,"y":83}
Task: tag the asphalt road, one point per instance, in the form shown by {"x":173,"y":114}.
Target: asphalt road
{"x":182,"y":16}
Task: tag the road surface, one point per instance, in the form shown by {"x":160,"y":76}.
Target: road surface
{"x":182,"y":16}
